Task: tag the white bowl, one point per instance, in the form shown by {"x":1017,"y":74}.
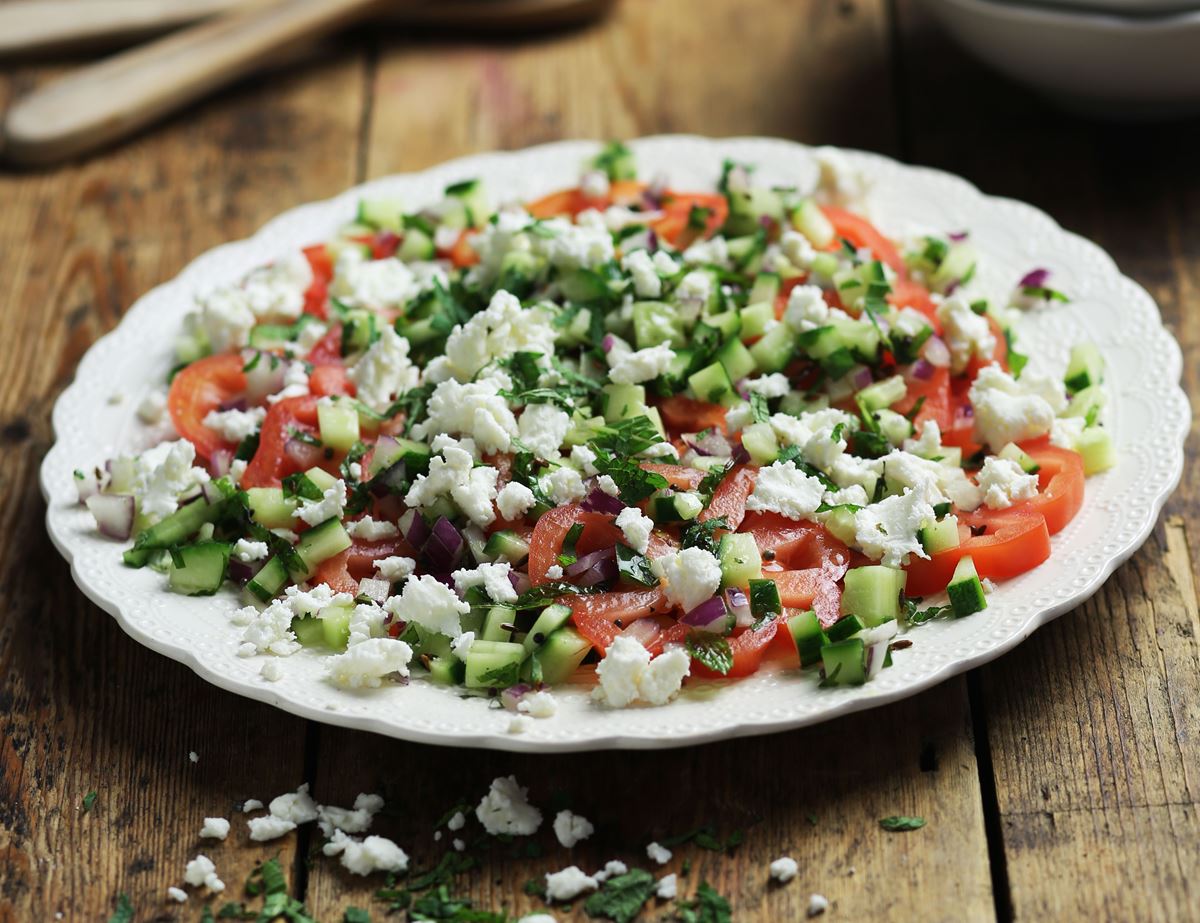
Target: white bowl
{"x":1109,"y":65}
{"x":1143,"y":8}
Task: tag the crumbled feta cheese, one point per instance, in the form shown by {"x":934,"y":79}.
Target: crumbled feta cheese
{"x":627,"y":674}
{"x":693,"y":576}
{"x":384,"y":371}
{"x":538,"y":917}
{"x":667,"y":887}
{"x":693,"y":292}
{"x":887,"y":530}
{"x":367,"y":663}
{"x":608,"y":485}
{"x":200,"y":872}
{"x":395,"y":568}
{"x":585,"y":459}
{"x":269,"y":631}
{"x":235,"y":425}
{"x":430,"y":604}
{"x":193,"y":757}
{"x":817,"y":905}
{"x":366,"y":622}
{"x":461,"y":646}
{"x":839,"y":183}
{"x":909,"y":322}
{"x":806,"y":308}
{"x":571,"y":828}
{"x":636,"y":527}
{"x":237,"y":468}
{"x":1004,"y":483}
{"x":295,"y":383}
{"x":631,"y":367}
{"x":1005,"y":411}
{"x":371,"y":530}
{"x":309,"y":336}
{"x":297,"y":806}
{"x":223,"y":319}
{"x":774,"y":385}
{"x":594,"y":184}
{"x":568,"y":884}
{"x":849,"y":470}
{"x":515,"y":500}
{"x":349,"y":820}
{"x":457,"y":821}
{"x":364,"y":857}
{"x":711,"y":252}
{"x":475,"y":409}
{"x":659,"y":854}
{"x":1065,"y":431}
{"x":782,"y":488}
{"x":506,"y":809}
{"x":150,"y":409}
{"x":247,"y":551}
{"x":278,"y":291}
{"x":215,"y":828}
{"x":160,"y":475}
{"x":251,"y":804}
{"x":640,"y":266}
{"x":361,"y":282}
{"x":272,"y":671}
{"x":454,"y":473}
{"x":932,"y":480}
{"x":784,"y":869}
{"x":330,"y":506}
{"x":542,"y":429}
{"x":965,"y":332}
{"x":930,"y":442}
{"x":540,"y":704}
{"x":563,"y":485}
{"x":554,"y":572}
{"x":797,"y":249}
{"x":611,"y":868}
{"x":494,"y":578}
{"x":497,"y":332}
{"x":175,"y":894}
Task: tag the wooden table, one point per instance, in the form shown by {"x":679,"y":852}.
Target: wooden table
{"x":1059,"y":783}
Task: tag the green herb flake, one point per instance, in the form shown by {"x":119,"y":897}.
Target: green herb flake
{"x":89,"y":801}
{"x":708,"y":907}
{"x":711,"y":650}
{"x":897,"y":824}
{"x":123,"y":912}
{"x":356,"y":915}
{"x":621,"y":897}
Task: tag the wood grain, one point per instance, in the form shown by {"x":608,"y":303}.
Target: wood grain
{"x":82,"y":707}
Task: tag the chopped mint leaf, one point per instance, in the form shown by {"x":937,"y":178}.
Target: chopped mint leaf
{"x":634,"y":567}
{"x":708,"y":907}
{"x":758,"y":407}
{"x":627,"y":438}
{"x":896,"y":824}
{"x":89,"y":800}
{"x":701,"y":534}
{"x":633,"y":481}
{"x":712,"y":650}
{"x":622,"y":897}
{"x":123,"y":913}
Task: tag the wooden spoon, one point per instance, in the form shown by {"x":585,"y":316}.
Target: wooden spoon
{"x":33,"y":28}
{"x":109,"y":100}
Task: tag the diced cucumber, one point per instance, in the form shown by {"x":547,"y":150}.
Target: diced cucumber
{"x":824,"y":265}
{"x":199,"y":569}
{"x":562,"y":654}
{"x":806,"y":632}
{"x":656,"y":322}
{"x":446,"y":670}
{"x":308,"y":630}
{"x":431,"y":643}
{"x":415,"y":456}
{"x":180,"y":525}
{"x":384,"y":214}
{"x":860,"y":337}
{"x":765,"y":289}
{"x":838,"y":363}
{"x":957,"y":267}
{"x":756,"y":317}
{"x":338,"y":424}
{"x":271,"y":578}
{"x":676,"y":507}
{"x":1015,"y":453}
{"x":493,"y":664}
{"x":882,"y":394}
{"x":616,"y":160}
{"x":622,"y":402}
{"x":736,"y":359}
{"x":894,"y":427}
{"x":873,"y":593}
{"x":474,"y":199}
{"x":498,"y":623}
{"x":745,"y":252}
{"x":321,"y":478}
{"x":335,"y":626}
{"x":321,"y":543}
{"x":775,"y":350}
{"x":759,"y":440}
{"x":809,"y":220}
{"x":940,"y":535}
{"x":1085,"y":369}
{"x":965,"y":589}
{"x":845,"y":627}
{"x":747,"y":207}
{"x":764,"y":598}
{"x":1096,"y":447}
{"x":508,"y":545}
{"x":417,"y":245}
{"x":728,"y":324}
{"x":359,"y":331}
{"x":844,"y":662}
{"x":520,"y":271}
{"x":741,"y":561}
{"x":711,"y":383}
{"x":840,"y":524}
{"x":795,"y":403}
{"x":551,"y":619}
{"x":1086,"y":403}
{"x":675,"y":378}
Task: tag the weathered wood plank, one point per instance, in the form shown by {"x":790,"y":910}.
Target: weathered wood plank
{"x":83,"y":707}
{"x":1090,"y":721}
{"x":658,"y":68}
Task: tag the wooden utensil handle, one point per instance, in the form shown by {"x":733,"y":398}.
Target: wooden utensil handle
{"x":103,"y":102}
{"x":32,"y":27}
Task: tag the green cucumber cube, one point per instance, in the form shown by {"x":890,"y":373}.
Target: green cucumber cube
{"x":965,"y":589}
{"x":873,"y":593}
{"x":741,"y":561}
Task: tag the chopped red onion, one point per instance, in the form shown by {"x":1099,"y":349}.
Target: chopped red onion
{"x":922,"y":370}
{"x":652,"y":241}
{"x":594,"y":567}
{"x":608,"y":342}
{"x":304,"y":455}
{"x":444,"y":547}
{"x":412,"y":526}
{"x":862,"y":378}
{"x":211,"y":493}
{"x":89,"y":485}
{"x":235,"y":404}
{"x":711,"y":442}
{"x":959,"y":236}
{"x":936,"y":352}
{"x":740,"y":455}
{"x":643,"y":631}
{"x":599,"y":502}
{"x":219,"y":462}
{"x":510,"y":698}
{"x":114,"y":514}
{"x":240,"y":571}
{"x":738,"y":604}
{"x":391,"y":480}
{"x":707,"y":616}
{"x":520,"y":582}
{"x":377,"y":589}
{"x":386,"y":448}
{"x":1035,"y":278}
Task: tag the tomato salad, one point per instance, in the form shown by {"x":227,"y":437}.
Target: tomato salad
{"x":622,"y":435}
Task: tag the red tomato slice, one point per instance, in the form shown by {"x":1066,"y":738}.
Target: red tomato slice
{"x":330,"y":379}
{"x":564,"y":202}
{"x":322,"y":270}
{"x":937,"y":405}
{"x":462,"y":254}
{"x":999,"y":354}
{"x":795,"y":545}
{"x":272,"y":462}
{"x":813,"y":588}
{"x":1015,"y":541}
{"x":546,"y":542}
{"x":675,"y":224}
{"x":729,"y":499}
{"x":334,"y":572}
{"x":748,"y":649}
{"x":600,"y":617}
{"x":909,"y":294}
{"x":328,"y":350}
{"x":1060,"y":484}
{"x":860,"y":232}
{"x":687,"y":415}
{"x":200,"y":388}
{"x":680,"y":476}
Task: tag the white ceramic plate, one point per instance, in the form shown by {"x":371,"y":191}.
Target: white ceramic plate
{"x":1149,"y":417}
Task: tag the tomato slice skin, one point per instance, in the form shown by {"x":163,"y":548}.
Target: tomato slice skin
{"x":546,"y":542}
{"x":1015,"y":541}
{"x":322,"y":271}
{"x":688,"y":415}
{"x":596,"y":615}
{"x":860,"y":232}
{"x":813,"y":588}
{"x":675,"y":224}
{"x":937,"y":404}
{"x":202,"y":387}
{"x":330,"y":379}
{"x":335,"y":573}
{"x":909,"y":294}
{"x":328,"y":350}
{"x":729,"y":499}
{"x":271,"y":463}
{"x":680,"y":476}
{"x":1061,"y":484}
{"x":747,"y":648}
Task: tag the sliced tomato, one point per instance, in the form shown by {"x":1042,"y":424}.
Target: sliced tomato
{"x":688,"y":415}
{"x":562,"y":203}
{"x":729,"y":499}
{"x":200,"y":388}
{"x":361,"y":556}
{"x":999,"y":353}
{"x":328,"y":350}
{"x":463,"y":254}
{"x":1060,"y":484}
{"x":1014,"y":541}
{"x":545,"y":544}
{"x":680,"y":476}
{"x":813,"y":588}
{"x":792,"y":544}
{"x":600,"y":617}
{"x":272,"y":462}
{"x":937,"y":403}
{"x":860,"y":232}
{"x":335,"y":573}
{"x":315,"y":298}
{"x":626,"y":192}
{"x":330,"y":379}
{"x":675,"y":224}
{"x":748,"y":649}
{"x":909,"y":294}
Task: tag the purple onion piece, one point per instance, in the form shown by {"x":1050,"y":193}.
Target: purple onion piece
{"x":705,"y":614}
{"x":952,"y":285}
{"x":608,"y":342}
{"x":240,"y":571}
{"x":922,"y":370}
{"x":238,"y":403}
{"x":114,"y":514}
{"x":413,"y":528}
{"x":304,"y":455}
{"x":590,"y":560}
{"x":520,"y":582}
{"x":652,"y":241}
{"x":219,"y":462}
{"x":1035,"y":278}
{"x":88,"y":485}
{"x":391,"y":480}
{"x":936,"y":352}
{"x":740,"y":455}
{"x":862,"y":379}
{"x":510,"y":698}
{"x":968,"y":411}
{"x":958,"y":236}
{"x":599,"y":502}
{"x":444,"y":547}
{"x":643,"y":631}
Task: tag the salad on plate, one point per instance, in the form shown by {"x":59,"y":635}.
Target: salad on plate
{"x":623,"y":436}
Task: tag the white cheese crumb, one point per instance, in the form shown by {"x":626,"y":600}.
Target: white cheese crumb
{"x":363,"y":857}
{"x":667,"y":887}
{"x":631,"y":367}
{"x":370,"y":530}
{"x":784,"y":869}
{"x":247,"y":551}
{"x":201,"y":872}
{"x":152,"y":406}
{"x":193,"y":756}
{"x":431,"y":604}
{"x":251,"y":804}
{"x":783,"y":488}
{"x":514,"y":500}
{"x":571,"y":828}
{"x":216,"y":828}
{"x":659,"y":854}
{"x":175,"y":894}
{"x":817,"y":905}
{"x":506,"y":809}
{"x":366,"y":664}
{"x":395,"y":568}
{"x":540,"y":704}
{"x":494,"y":578}
{"x":636,"y":527}
{"x":272,"y":671}
{"x":627,"y":674}
{"x":1004,"y":483}
{"x":693,"y":576}
{"x":519,"y":724}
{"x":568,"y":884}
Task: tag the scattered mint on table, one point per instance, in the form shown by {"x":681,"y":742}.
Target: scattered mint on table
{"x":897,"y":824}
{"x":356,"y":915}
{"x":621,"y":897}
{"x":89,"y":800}
{"x":707,"y":907}
{"x":123,"y":913}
